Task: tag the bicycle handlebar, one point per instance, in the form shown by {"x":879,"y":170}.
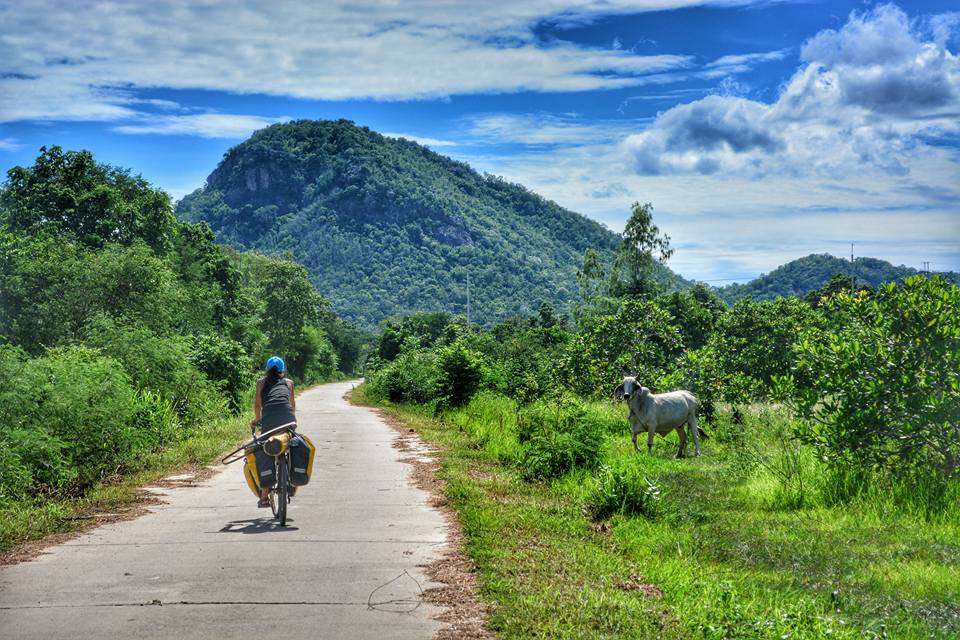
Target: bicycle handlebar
{"x":230,"y":459}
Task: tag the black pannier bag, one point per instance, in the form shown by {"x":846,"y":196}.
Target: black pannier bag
{"x":301,"y":459}
{"x":266,"y":469}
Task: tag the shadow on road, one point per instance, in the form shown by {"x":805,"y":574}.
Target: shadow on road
{"x":256,"y":525}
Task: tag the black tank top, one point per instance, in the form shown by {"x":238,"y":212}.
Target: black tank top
{"x":276,"y":393}
{"x":275,"y":403}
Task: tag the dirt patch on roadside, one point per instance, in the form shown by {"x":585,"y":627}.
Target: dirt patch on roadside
{"x":464,"y":616}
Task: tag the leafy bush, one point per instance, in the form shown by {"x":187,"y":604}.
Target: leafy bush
{"x":45,"y":458}
{"x":16,"y":475}
{"x":753,"y":341}
{"x":881,"y":384}
{"x":155,"y":424}
{"x":459,"y":372}
{"x":623,"y":489}
{"x":224,"y":361}
{"x":701,"y":371}
{"x":78,"y":396}
{"x":558,"y":437}
{"x":161,"y":363}
{"x":411,"y":377}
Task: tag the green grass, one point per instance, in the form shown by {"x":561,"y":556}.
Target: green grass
{"x":745,"y":542}
{"x":26,"y":521}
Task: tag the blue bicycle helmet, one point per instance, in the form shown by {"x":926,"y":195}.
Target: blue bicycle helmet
{"x":276,"y":362}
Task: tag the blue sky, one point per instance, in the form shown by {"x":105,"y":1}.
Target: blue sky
{"x":761,"y":131}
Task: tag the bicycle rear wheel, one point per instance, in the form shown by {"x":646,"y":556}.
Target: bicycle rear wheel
{"x":283,"y":489}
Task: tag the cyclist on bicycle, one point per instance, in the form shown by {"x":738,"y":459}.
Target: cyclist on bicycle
{"x":274,"y":405}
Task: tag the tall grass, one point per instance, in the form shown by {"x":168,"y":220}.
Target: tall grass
{"x":756,"y":539}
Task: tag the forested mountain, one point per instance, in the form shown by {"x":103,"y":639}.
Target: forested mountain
{"x":799,"y":277}
{"x":386,"y":227}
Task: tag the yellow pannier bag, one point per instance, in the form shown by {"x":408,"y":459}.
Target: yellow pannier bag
{"x":250,"y":473}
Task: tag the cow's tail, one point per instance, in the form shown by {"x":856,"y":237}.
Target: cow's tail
{"x":703,"y":434}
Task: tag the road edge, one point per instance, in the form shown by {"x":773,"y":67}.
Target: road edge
{"x":464,"y":614}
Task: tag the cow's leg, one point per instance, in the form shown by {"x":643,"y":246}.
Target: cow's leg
{"x":650,"y":433}
{"x":683,"y":441}
{"x":695,"y":432}
{"x":635,"y":447}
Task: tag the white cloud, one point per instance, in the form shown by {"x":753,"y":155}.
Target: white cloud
{"x":747,"y":59}
{"x":860,"y":102}
{"x":84,"y":59}
{"x":204,"y":125}
{"x":544,"y":129}
{"x":735,"y":226}
{"x":425,"y":141}
{"x":860,"y":145}
{"x":10,"y":144}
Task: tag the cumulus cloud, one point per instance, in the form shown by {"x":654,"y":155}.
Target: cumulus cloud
{"x":82,"y":60}
{"x":864,"y":96}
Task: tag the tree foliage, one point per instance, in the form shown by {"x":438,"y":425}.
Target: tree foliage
{"x":637,"y":339}
{"x":95,"y":204}
{"x":882,"y":381}
{"x":642,"y":249}
{"x":122,"y":330}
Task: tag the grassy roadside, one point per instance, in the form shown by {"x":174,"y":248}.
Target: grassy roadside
{"x":737,"y":546}
{"x":23,"y":522}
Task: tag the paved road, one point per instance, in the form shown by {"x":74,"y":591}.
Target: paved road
{"x":209,"y":564}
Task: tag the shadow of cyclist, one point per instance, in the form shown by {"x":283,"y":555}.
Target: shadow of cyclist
{"x":256,"y":525}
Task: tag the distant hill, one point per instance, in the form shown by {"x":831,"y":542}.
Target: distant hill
{"x":385,"y":226}
{"x":802,"y":275}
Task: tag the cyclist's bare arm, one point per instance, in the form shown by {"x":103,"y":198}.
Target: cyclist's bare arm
{"x":257,"y":408}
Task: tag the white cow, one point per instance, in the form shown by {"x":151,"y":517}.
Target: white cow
{"x":661,"y":413}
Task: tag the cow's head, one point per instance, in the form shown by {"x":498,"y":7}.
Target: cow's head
{"x":630,"y":386}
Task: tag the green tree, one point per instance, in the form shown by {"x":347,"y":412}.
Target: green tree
{"x":641,"y":249}
{"x":225,"y":362}
{"x":839,"y":283}
{"x":459,"y":372}
{"x":755,"y":339}
{"x":694,"y":312}
{"x":292,"y":312}
{"x":70,"y":193}
{"x":50,"y":289}
{"x":638,"y":339}
{"x":879,"y":387}
{"x":591,"y":277}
